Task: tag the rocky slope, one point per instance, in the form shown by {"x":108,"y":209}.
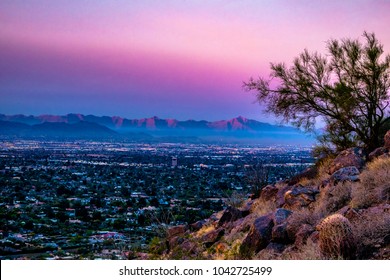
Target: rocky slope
{"x":340,"y":211}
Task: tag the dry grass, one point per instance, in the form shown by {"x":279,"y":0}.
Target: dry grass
{"x":263,"y":207}
{"x":374,"y":184}
{"x":322,"y":174}
{"x":310,"y":251}
{"x":371,"y":230}
{"x":204,"y":230}
{"x":333,"y":198}
{"x":304,"y":216}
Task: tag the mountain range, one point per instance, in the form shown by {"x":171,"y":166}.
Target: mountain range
{"x":104,"y":127}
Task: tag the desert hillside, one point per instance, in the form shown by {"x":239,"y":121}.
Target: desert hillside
{"x":338,"y":209}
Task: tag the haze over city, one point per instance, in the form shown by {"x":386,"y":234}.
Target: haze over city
{"x":172,"y":59}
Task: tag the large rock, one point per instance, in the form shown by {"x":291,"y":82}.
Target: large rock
{"x":281,"y":215}
{"x":348,"y":157}
{"x":231,"y":214}
{"x":177,"y":230}
{"x":268,"y":193}
{"x":213,"y":236}
{"x":279,"y":234}
{"x":197,"y":225}
{"x":349,"y":173}
{"x":259,"y":236}
{"x":303,"y":234}
{"x":299,"y":197}
{"x":280,"y":196}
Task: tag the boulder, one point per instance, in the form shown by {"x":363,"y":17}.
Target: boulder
{"x":279,"y":234}
{"x":299,"y":197}
{"x":197,"y":225}
{"x":231,"y":214}
{"x":280,"y":196}
{"x":213,"y":236}
{"x":268,"y":193}
{"x":177,"y":230}
{"x":348,"y":157}
{"x":281,"y":215}
{"x":259,"y":236}
{"x":348,"y":173}
{"x":303,"y":234}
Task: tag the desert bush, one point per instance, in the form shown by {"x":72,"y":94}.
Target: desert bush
{"x":322,"y":167}
{"x":336,"y":238}
{"x":374,"y":184}
{"x":236,"y":199}
{"x":301,"y":217}
{"x":263,"y":207}
{"x":204,"y":230}
{"x":371,"y":230}
{"x":334,"y":198}
{"x":309,"y":251}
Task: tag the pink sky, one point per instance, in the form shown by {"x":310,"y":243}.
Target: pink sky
{"x":173,"y":59}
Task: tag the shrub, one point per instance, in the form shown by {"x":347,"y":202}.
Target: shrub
{"x":336,"y":238}
{"x":263,"y":207}
{"x":309,"y":251}
{"x":371,"y":230}
{"x":301,"y":217}
{"x":334,"y":198}
{"x":374,"y":184}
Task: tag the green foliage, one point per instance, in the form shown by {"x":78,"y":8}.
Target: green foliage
{"x":348,"y":88}
{"x":157,"y":246}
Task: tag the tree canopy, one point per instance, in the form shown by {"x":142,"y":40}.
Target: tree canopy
{"x":348,"y":88}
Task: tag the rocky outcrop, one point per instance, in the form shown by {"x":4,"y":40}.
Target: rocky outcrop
{"x":299,"y":197}
{"x":177,"y":230}
{"x":279,"y":234}
{"x":268,"y":193}
{"x":231,"y":214}
{"x":259,"y":236}
{"x":286,"y":220}
{"x":303,"y":234}
{"x":349,"y":157}
{"x":281,"y":215}
{"x":213,"y":236}
{"x":348,"y":173}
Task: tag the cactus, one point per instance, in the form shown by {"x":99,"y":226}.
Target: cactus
{"x":336,"y":238}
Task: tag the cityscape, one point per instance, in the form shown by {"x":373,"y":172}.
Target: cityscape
{"x":85,"y":199}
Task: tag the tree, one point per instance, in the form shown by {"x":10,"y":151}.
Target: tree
{"x":348,"y":88}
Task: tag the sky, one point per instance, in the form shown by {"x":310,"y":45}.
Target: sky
{"x":172,"y":59}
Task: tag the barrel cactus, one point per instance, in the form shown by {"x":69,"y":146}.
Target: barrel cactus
{"x":336,"y":238}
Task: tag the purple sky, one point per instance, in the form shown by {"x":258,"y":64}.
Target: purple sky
{"x":173,"y":59}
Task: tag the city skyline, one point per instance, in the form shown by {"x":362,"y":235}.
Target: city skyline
{"x":172,"y":59}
